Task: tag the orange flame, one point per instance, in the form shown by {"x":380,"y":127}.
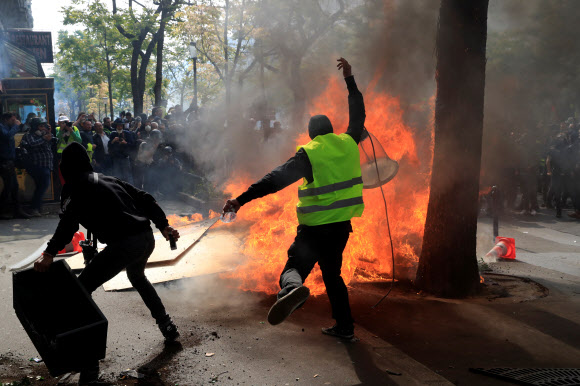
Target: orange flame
{"x":367,"y":255}
{"x":177,"y":221}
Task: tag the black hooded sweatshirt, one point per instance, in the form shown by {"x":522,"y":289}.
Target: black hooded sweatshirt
{"x":299,"y":165}
{"x":110,"y":208}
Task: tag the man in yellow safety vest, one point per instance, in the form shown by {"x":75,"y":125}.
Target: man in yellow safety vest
{"x":331,"y":194}
{"x":66,"y":133}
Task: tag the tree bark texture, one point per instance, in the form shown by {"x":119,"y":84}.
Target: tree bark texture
{"x":159,"y":67}
{"x":448,"y":261}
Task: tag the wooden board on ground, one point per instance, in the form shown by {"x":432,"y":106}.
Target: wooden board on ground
{"x":217,"y":251}
{"x":188,"y":235}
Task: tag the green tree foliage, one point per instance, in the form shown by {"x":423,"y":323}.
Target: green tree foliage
{"x":223,"y":33}
{"x":108,"y":53}
{"x":290,"y":29}
{"x":144,"y":31}
{"x":179,"y":73}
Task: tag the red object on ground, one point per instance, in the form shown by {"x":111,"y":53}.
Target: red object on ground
{"x":505,"y":248}
{"x":74,"y":246}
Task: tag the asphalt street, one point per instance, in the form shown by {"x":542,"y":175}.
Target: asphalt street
{"x":226,"y":339}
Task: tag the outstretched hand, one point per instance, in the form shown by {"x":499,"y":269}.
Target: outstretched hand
{"x":346,"y":68}
{"x":231,"y":206}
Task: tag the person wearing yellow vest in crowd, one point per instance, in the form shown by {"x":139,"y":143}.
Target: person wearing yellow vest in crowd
{"x":331,"y":194}
{"x":65,"y":133}
{"x":86,"y":134}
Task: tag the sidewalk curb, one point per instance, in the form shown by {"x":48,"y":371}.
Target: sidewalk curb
{"x":386,"y":356}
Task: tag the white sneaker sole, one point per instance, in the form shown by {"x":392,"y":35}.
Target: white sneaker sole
{"x":287,"y":305}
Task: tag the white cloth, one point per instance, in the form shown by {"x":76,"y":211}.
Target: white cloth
{"x":105,"y":142}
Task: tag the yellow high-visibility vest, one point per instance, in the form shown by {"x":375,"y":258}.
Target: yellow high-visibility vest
{"x":335,"y":194}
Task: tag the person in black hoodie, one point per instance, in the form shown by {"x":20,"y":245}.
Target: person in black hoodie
{"x":119,"y":216}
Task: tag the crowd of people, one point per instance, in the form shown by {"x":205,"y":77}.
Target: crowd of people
{"x":139,"y":150}
{"x":544,"y":170}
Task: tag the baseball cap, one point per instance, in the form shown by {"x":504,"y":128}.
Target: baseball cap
{"x":63,"y":118}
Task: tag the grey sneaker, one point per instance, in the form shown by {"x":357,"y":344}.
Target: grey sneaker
{"x":287,"y":305}
{"x":340,"y":332}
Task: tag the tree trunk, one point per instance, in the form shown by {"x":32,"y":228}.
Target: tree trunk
{"x":297,"y":87}
{"x":448,"y":262}
{"x":109,"y":77}
{"x":159,"y":67}
{"x":226,"y":71}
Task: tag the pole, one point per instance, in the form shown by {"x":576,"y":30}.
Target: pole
{"x":195,"y":84}
{"x":495,"y":205}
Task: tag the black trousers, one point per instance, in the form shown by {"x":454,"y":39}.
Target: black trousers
{"x":10,"y":191}
{"x":130,"y":254}
{"x":323,"y":244}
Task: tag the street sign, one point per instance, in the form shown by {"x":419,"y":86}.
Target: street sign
{"x":39,"y":43}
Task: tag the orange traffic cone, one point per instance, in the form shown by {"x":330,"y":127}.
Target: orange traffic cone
{"x":505,"y":248}
{"x":74,"y":246}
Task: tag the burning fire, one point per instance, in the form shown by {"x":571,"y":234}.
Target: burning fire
{"x":367,"y":255}
{"x":178,"y":221}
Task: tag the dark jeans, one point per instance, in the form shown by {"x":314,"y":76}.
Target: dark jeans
{"x":41,"y":177}
{"x":130,"y":254}
{"x":559,"y":185}
{"x":323,"y":244}
{"x":529,"y":186}
{"x":10,"y":191}
{"x":122,"y":169}
{"x":104,"y":165}
{"x":139,"y":169}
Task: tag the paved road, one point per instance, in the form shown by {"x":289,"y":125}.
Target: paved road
{"x":427,"y":340}
{"x":541,"y":240}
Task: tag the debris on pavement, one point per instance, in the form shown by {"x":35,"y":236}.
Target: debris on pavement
{"x":393,"y":372}
{"x":35,"y":359}
{"x":315,"y":376}
{"x":209,"y":354}
{"x":130,"y":373}
{"x":215,"y":379}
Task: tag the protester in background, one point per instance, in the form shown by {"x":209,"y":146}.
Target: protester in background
{"x":107,"y":126}
{"x":9,"y":126}
{"x":87,"y":133}
{"x":119,"y":215}
{"x":119,"y":147}
{"x":26,"y":126}
{"x":168,"y":173}
{"x":65,"y":133}
{"x":147,"y":158}
{"x":137,"y":123}
{"x":143,"y":132}
{"x":101,"y":157}
{"x":128,"y":120}
{"x":38,"y":142}
{"x":156,"y":114}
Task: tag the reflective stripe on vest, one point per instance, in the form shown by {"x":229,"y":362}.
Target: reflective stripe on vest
{"x":335,"y":205}
{"x":330,"y":188}
{"x":335,"y":194}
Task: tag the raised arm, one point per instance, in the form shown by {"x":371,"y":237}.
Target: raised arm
{"x":356,"y":105}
